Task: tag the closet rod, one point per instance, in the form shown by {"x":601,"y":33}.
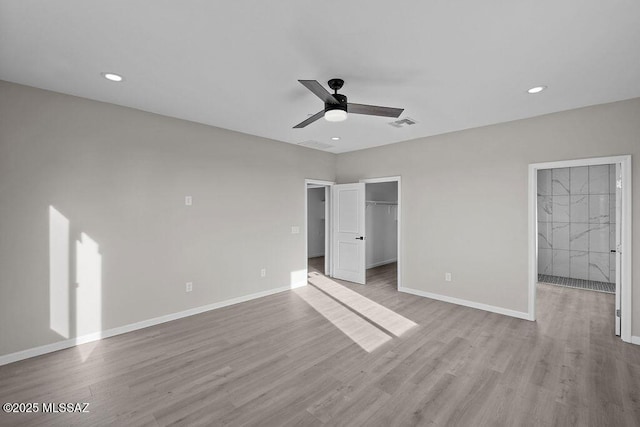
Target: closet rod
{"x":375,"y":202}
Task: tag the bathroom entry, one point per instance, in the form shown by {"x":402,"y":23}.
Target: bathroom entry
{"x":578,"y":223}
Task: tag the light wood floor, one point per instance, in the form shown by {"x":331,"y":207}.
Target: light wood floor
{"x":277,"y":361}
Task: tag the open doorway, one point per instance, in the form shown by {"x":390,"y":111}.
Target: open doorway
{"x":318,"y":195}
{"x":577,"y":227}
{"x":579,"y":233}
{"x":383,"y":200}
{"x":381,"y":218}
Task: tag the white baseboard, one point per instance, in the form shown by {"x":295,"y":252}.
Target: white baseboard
{"x":378,"y":264}
{"x":466,"y":303}
{"x":60,"y":345}
{"x":635,"y":340}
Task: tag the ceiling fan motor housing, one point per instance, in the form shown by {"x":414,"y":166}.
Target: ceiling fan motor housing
{"x":341,"y":106}
{"x":335,"y":84}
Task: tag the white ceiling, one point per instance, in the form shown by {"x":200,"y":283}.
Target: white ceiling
{"x":235,"y":64}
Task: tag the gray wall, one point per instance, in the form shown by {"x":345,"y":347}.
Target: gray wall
{"x":381,"y":223}
{"x":577,"y":222}
{"x":315,"y":222}
{"x":120,"y":176}
{"x":464,"y":197}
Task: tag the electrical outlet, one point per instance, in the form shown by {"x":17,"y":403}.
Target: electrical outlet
{"x":189,"y":287}
{"x":263,"y":272}
{"x":295,"y":229}
{"x":188,"y":200}
{"x":447,"y":277}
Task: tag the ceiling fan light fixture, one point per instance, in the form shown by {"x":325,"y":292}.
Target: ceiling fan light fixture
{"x":336,"y":115}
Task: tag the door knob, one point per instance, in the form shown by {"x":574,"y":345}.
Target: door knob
{"x":360,"y":238}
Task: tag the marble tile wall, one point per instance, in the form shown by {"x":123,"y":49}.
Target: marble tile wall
{"x":576,"y":222}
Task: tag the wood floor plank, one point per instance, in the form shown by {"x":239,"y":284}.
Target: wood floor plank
{"x":283,"y":360}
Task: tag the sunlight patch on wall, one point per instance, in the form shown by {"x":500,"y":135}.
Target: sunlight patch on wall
{"x":89,"y":290}
{"x":58,"y":272}
{"x":298,"y":278}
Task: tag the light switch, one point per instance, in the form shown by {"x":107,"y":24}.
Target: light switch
{"x":188,"y":200}
{"x":295,"y":229}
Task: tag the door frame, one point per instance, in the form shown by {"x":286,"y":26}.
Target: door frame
{"x":397,"y":179}
{"x":328,"y":250}
{"x":626,"y":258}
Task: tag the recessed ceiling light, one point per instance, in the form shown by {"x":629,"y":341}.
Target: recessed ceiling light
{"x":335,"y":138}
{"x":113,"y":77}
{"x":537,"y":89}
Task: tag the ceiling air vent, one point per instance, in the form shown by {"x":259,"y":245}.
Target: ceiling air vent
{"x":316,"y":144}
{"x":403,"y":122}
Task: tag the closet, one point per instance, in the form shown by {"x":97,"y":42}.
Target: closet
{"x":381,"y":223}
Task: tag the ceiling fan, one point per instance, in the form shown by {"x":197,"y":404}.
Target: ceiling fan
{"x":336,"y":106}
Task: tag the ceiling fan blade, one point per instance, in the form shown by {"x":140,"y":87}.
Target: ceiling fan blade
{"x":310,"y":120}
{"x":319,"y":90}
{"x":374,"y":110}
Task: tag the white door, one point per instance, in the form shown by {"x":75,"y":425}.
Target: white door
{"x":618,"y":244}
{"x":348,"y":232}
